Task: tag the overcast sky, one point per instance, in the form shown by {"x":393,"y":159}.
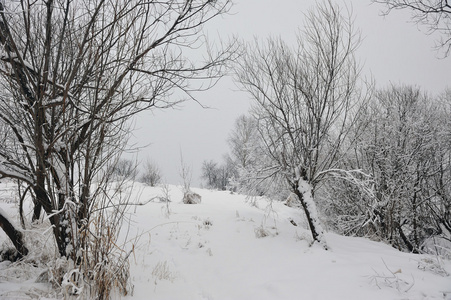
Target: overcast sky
{"x":394,"y":50}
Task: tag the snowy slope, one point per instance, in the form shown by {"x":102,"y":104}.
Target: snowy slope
{"x":227,"y":248}
{"x":217,"y":250}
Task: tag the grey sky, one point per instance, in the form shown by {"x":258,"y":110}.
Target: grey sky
{"x":394,"y":50}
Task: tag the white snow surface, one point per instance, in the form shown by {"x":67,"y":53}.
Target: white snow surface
{"x":227,"y":248}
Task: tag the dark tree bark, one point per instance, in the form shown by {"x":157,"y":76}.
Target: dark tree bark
{"x":14,"y":234}
{"x":36,"y":211}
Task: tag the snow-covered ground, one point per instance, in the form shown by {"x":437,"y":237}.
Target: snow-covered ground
{"x":228,"y":248}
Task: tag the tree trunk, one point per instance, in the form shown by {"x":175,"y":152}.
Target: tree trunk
{"x":61,"y":232}
{"x":303,"y":191}
{"x":406,"y":241}
{"x":58,"y":221}
{"x":14,"y":234}
{"x":36,"y":211}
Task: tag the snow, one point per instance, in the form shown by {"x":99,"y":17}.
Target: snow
{"x":213,"y":251}
{"x":227,"y":247}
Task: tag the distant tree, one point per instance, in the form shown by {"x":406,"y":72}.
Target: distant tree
{"x":125,"y":168}
{"x":245,"y":155}
{"x":305,"y":102}
{"x":217,"y":176}
{"x":189,"y":197}
{"x":186,"y":174}
{"x":434,"y":14}
{"x":243,"y":141}
{"x":210,"y":173}
{"x":151,"y":174}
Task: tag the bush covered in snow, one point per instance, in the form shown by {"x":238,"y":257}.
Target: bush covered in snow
{"x":190,"y":197}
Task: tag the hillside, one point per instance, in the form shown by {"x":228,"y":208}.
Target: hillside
{"x":226,"y":248}
{"x":231,"y":247}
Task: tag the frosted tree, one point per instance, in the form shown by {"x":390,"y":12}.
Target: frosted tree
{"x":243,"y":141}
{"x":246,"y":156}
{"x":305,"y":102}
{"x":406,"y":149}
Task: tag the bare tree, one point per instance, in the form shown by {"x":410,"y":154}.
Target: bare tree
{"x":189,"y":197}
{"x":305,"y":102}
{"x":151,"y":175}
{"x":185,"y":173}
{"x":73,"y":73}
{"x":125,"y":168}
{"x":210,"y":173}
{"x":217,"y":176}
{"x":434,"y":14}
